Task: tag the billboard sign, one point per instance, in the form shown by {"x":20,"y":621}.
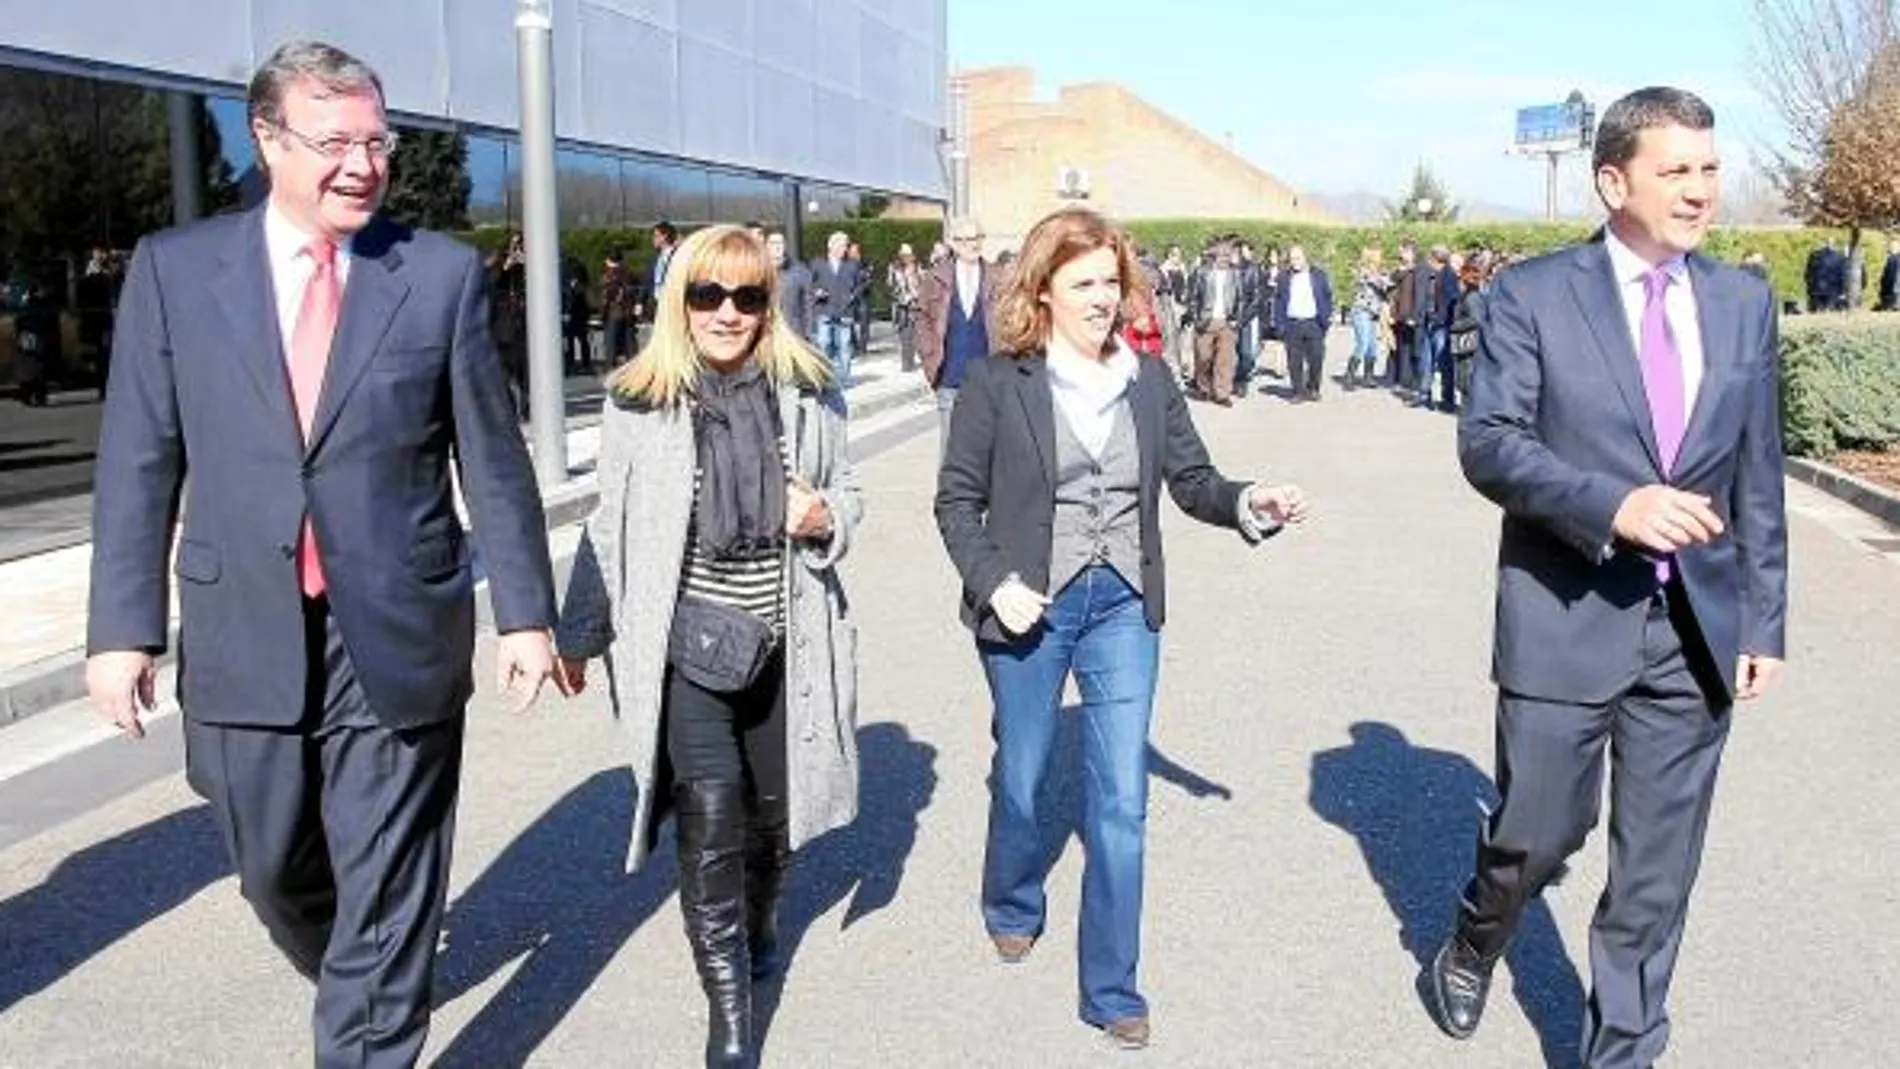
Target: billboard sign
{"x":1563,"y":127}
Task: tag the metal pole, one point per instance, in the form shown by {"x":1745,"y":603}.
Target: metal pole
{"x":1550,"y":189}
{"x":959,"y":149}
{"x":182,"y":114}
{"x":540,"y":229}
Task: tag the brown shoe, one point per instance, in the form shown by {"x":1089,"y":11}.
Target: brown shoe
{"x":1129,"y":1033}
{"x":1012,"y":949}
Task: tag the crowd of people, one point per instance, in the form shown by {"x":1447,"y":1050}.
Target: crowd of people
{"x":326,"y":584}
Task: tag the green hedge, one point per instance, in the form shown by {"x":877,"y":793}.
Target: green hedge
{"x":1337,"y":247}
{"x":1840,"y":383}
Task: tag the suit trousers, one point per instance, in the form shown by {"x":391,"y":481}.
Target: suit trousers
{"x":1305,"y":355}
{"x":341,"y":832}
{"x":1665,"y":737}
{"x":1214,"y":360}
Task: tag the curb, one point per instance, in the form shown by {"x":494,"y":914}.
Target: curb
{"x":1880,"y":503}
{"x":61,"y":678}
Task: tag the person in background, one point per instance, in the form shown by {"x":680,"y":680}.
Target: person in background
{"x":1215,"y":306}
{"x":904,"y":281}
{"x":794,"y":284}
{"x":956,"y":317}
{"x":1303,"y":312}
{"x":1063,"y":574}
{"x":617,"y":300}
{"x":1371,"y":284}
{"x":835,"y":283}
{"x":1890,"y":278}
{"x":577,"y":343}
{"x":707,"y":577}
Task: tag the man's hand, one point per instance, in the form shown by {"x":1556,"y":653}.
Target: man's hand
{"x":1663,"y":519}
{"x":1017,"y":607}
{"x":1278,"y":504}
{"x":523,"y":663}
{"x":806,"y":514}
{"x":123,"y":684}
{"x":1754,"y":674}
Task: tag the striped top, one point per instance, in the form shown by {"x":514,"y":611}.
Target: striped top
{"x":754,"y":583}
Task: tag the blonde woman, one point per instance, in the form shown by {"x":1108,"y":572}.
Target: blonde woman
{"x":1371,"y":286}
{"x":707,"y":577}
{"x":1049,"y":503}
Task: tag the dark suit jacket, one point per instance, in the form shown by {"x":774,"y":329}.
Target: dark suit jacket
{"x":199,"y":388}
{"x":1322,"y":298}
{"x":996,"y":489}
{"x":841,"y":289}
{"x":1558,"y":432}
{"x":1890,"y":282}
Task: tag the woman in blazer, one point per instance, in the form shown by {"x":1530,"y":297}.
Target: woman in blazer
{"x":1049,"y":503}
{"x":708,"y":579}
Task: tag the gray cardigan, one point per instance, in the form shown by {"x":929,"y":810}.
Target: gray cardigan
{"x":625,"y":583}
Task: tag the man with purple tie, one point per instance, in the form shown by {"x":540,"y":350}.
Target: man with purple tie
{"x":1625,"y":415}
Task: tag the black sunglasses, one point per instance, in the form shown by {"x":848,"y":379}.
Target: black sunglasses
{"x":709,"y":296}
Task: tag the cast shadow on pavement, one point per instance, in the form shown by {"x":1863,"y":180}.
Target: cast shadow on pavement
{"x":1415,"y":814}
{"x":862,"y":862}
{"x":103,"y":893}
{"x":560,"y":898}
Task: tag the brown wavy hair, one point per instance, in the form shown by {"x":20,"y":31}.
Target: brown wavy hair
{"x":1022,"y":320}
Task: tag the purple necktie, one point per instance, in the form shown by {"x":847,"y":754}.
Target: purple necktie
{"x":1662,"y":381}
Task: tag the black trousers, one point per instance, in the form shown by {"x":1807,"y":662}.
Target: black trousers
{"x":1305,"y":355}
{"x":1664,"y":737}
{"x":341,"y":832}
{"x":732,"y":738}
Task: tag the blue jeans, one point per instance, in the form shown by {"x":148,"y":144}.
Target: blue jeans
{"x":1246,"y":354}
{"x":1431,"y":342}
{"x":1095,"y":628}
{"x":835,"y":339}
{"x":1365,"y":341}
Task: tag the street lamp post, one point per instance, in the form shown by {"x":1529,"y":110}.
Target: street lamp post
{"x":540,"y":228}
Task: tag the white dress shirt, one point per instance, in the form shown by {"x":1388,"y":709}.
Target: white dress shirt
{"x":969,"y":283}
{"x":1679,"y":307}
{"x":1300,"y":301}
{"x":290,"y":270}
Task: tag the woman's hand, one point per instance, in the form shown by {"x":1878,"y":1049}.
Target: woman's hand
{"x":1278,"y":504}
{"x":1017,"y":607}
{"x":806,"y":513}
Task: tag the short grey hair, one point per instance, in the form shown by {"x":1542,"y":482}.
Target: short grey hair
{"x":1646,"y":109}
{"x":335,"y":70}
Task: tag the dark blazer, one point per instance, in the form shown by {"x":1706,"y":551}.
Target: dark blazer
{"x":199,"y":387}
{"x":841,"y":289}
{"x":1890,"y":282}
{"x":996,"y":506}
{"x":1557,"y":432}
{"x":1322,"y":298}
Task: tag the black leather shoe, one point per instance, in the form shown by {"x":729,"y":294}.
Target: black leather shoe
{"x":1461,"y":979}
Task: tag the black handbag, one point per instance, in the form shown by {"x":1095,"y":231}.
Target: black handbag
{"x":718,"y":647}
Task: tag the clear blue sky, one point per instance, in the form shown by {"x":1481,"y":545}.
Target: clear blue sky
{"x":1335,"y":96}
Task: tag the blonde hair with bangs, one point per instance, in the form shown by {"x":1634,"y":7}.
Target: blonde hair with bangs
{"x":665,"y":371}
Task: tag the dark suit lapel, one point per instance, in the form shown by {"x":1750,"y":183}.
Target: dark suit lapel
{"x":1720,"y":325}
{"x":243,"y":289}
{"x":1594,"y":286}
{"x":1032,"y":389}
{"x":371,"y":296}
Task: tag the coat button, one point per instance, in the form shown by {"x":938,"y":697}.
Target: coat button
{"x":288,"y":551}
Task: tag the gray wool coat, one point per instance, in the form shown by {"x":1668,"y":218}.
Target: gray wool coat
{"x":625,"y":583}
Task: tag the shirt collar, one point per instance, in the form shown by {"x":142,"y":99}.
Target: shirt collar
{"x":1630,"y":268}
{"x":285,"y":240}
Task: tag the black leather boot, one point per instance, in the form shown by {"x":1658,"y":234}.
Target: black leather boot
{"x":768,"y":857}
{"x":711,"y":818}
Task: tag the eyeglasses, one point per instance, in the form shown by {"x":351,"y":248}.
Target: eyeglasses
{"x":967,"y":237}
{"x":711,"y":296}
{"x":338,"y":147}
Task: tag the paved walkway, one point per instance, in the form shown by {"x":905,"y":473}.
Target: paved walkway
{"x":1320,"y":753}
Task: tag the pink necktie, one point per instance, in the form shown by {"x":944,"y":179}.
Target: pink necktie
{"x":309,"y":356}
{"x":1662,"y":381}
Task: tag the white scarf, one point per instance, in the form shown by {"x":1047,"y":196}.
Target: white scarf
{"x":1088,"y":393}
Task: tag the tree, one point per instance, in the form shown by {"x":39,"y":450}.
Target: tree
{"x":429,"y":183}
{"x":1427,"y":201}
{"x":1831,"y":69}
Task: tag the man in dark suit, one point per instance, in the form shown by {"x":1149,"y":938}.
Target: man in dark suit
{"x":835,"y":282}
{"x":1302,"y":311}
{"x":1826,"y":278}
{"x":314,"y":368}
{"x":1890,"y":278}
{"x":1625,"y":415}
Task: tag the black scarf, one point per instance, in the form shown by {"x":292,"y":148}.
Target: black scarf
{"x":741,"y":507}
